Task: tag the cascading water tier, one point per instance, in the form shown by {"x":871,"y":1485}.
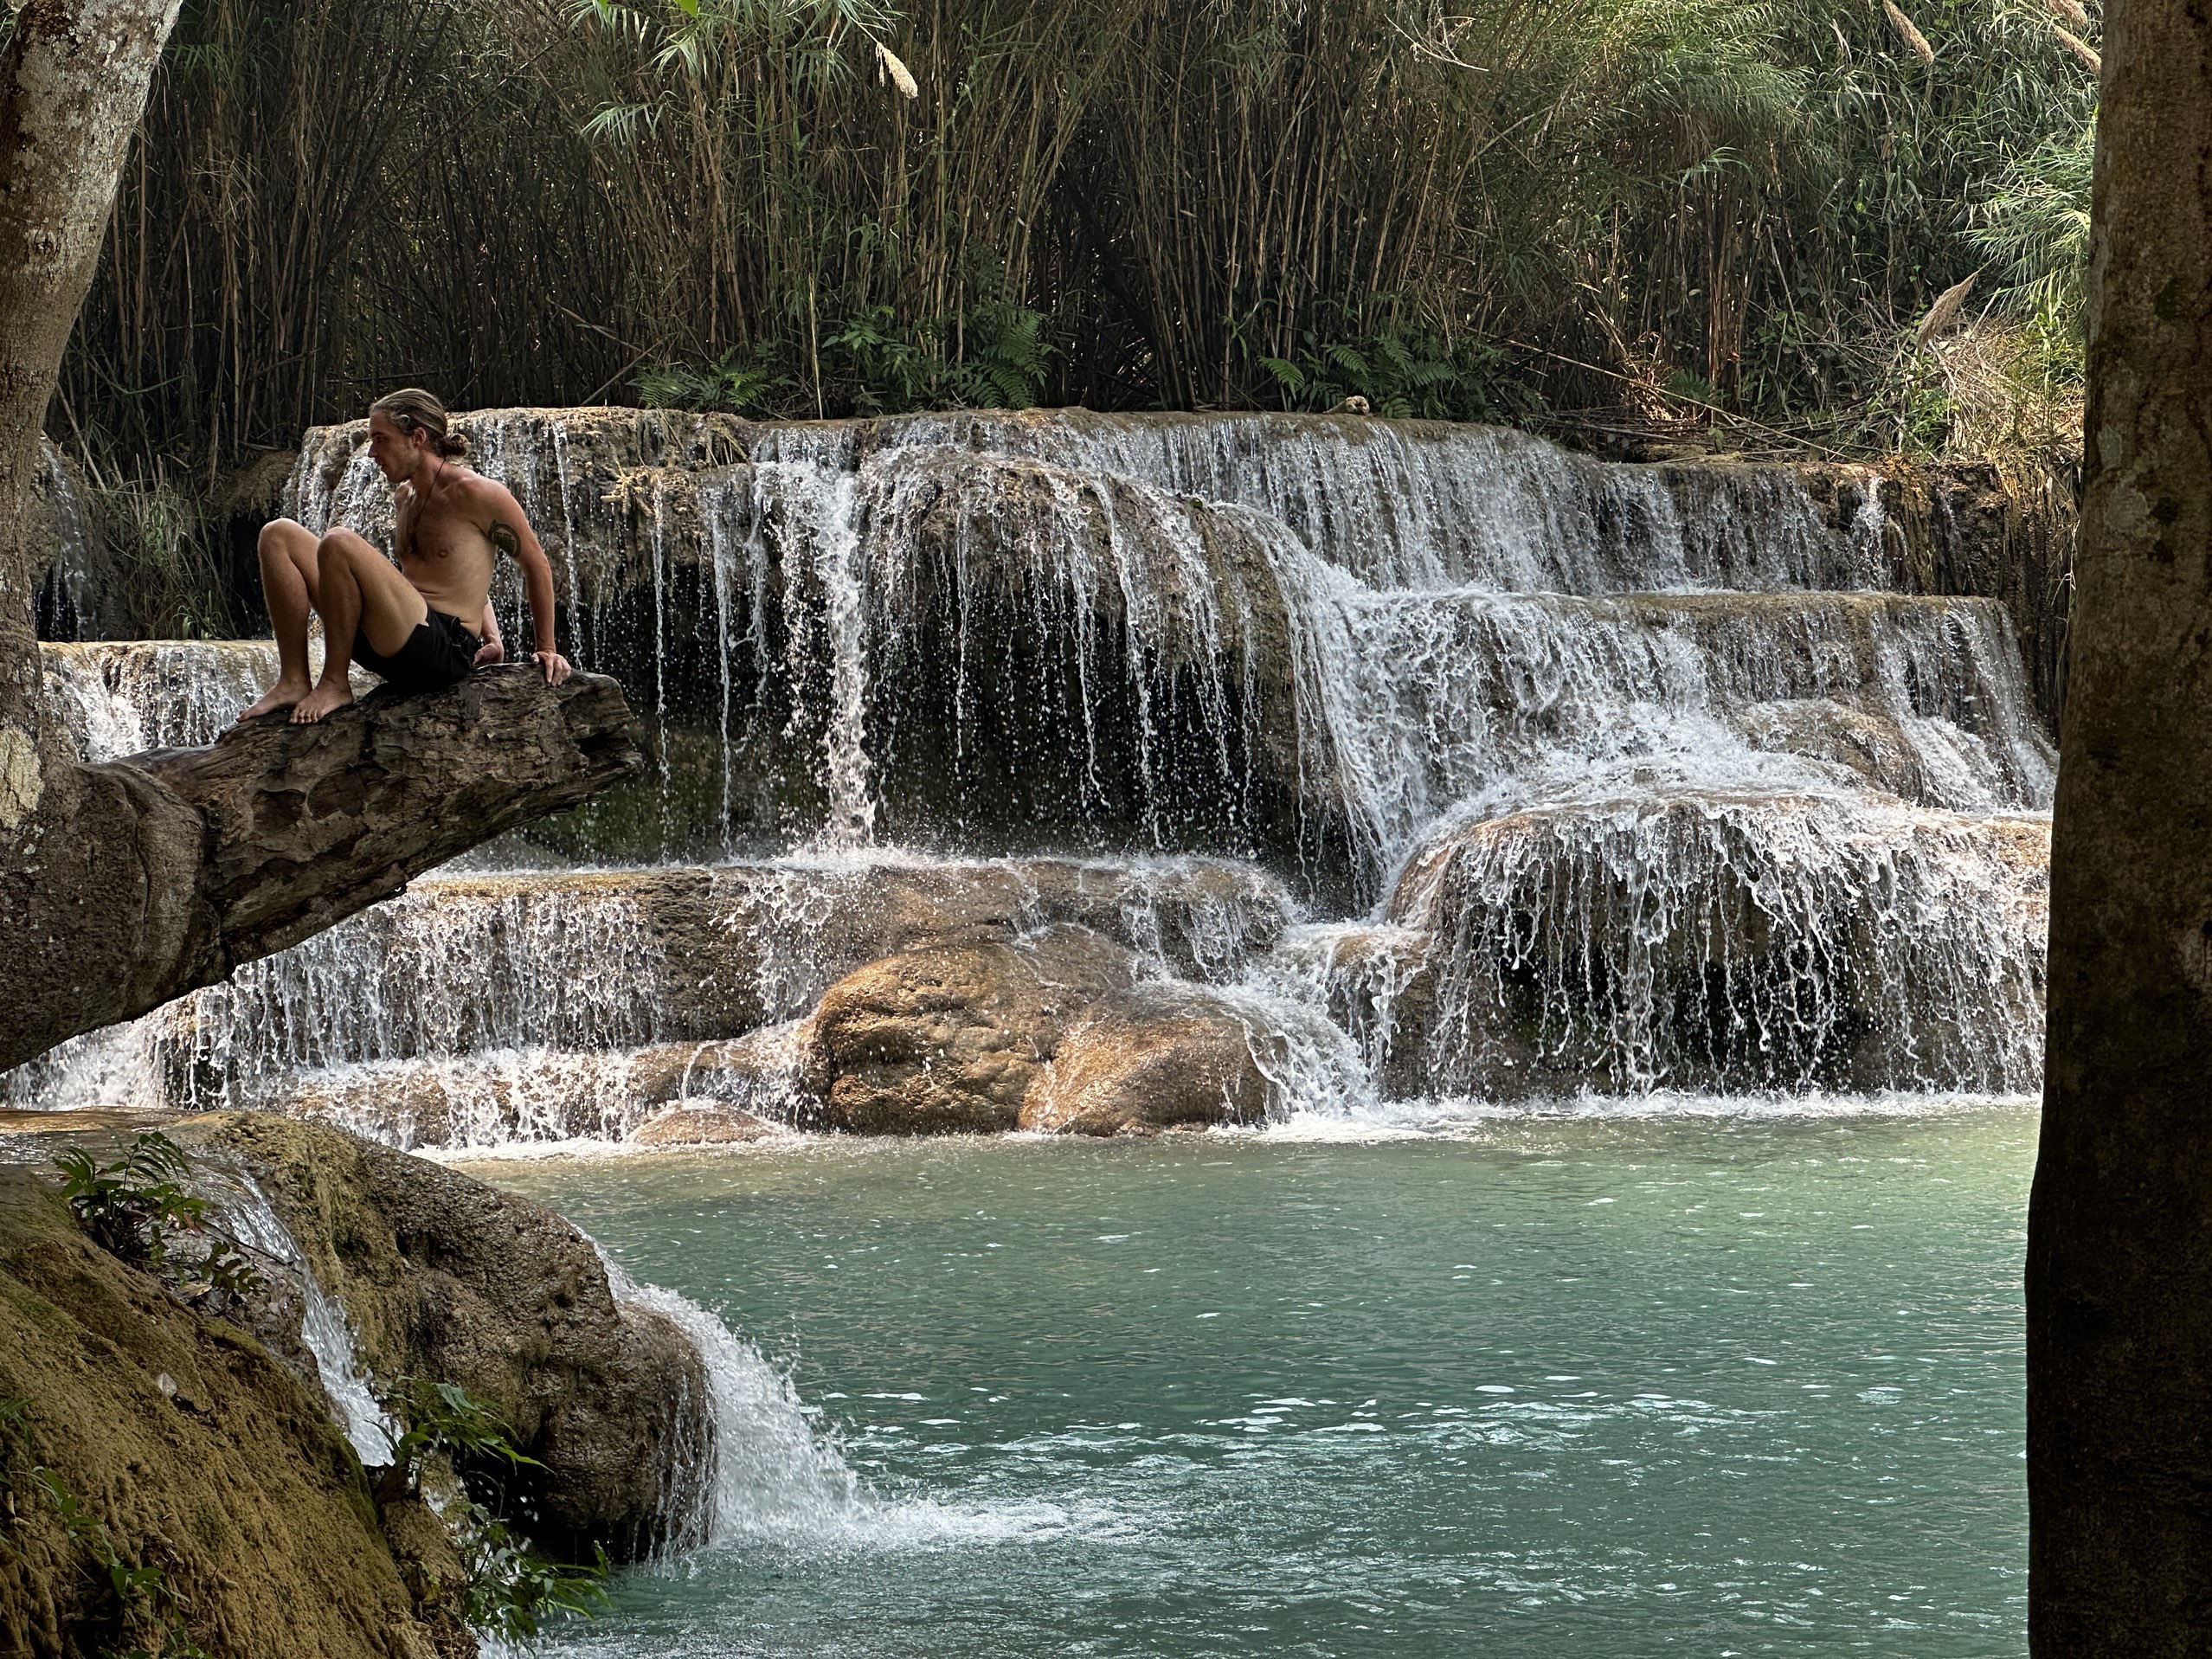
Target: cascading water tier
{"x":1454,"y":765}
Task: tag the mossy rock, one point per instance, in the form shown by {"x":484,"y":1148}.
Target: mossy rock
{"x":449,"y":1280}
{"x":201,"y":1455}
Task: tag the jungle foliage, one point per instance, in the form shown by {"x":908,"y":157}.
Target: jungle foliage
{"x":1604,"y":211}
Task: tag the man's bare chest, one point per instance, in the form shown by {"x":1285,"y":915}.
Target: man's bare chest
{"x":442,"y":537}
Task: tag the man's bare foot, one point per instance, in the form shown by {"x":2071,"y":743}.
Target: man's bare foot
{"x":327,"y":699}
{"x":284,"y":694}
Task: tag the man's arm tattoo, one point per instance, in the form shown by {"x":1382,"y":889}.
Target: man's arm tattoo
{"x":502,"y":537}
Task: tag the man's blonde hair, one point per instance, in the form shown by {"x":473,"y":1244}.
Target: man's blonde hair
{"x":414,"y":410}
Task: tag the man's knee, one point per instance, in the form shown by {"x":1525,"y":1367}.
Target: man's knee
{"x":279,"y":537}
{"x":339,"y":549}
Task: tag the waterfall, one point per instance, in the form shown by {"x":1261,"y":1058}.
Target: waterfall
{"x":1458,"y":765}
{"x":755,"y":1426}
{"x":67,"y":602}
{"x":768,"y":1470}
{"x":775,"y":1479}
{"x":124,"y":696}
{"x":1767,"y":942}
{"x":546,"y":1005}
{"x":454,"y":967}
{"x":1424,"y":504}
{"x":837,"y":541}
{"x":325,"y":1330}
{"x":1152,"y":583}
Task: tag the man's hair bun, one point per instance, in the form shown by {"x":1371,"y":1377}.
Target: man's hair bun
{"x":414,"y":410}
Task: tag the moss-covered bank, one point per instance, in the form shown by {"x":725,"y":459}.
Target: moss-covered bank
{"x":159,"y":1435}
{"x":201,"y":1455}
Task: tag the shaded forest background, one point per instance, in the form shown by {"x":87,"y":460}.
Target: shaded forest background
{"x":1740,"y":220}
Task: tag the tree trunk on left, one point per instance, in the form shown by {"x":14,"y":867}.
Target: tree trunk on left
{"x":87,"y":854}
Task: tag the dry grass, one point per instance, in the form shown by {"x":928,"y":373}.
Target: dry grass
{"x":2091,"y":60}
{"x":1994,"y":377}
{"x":1911,"y":36}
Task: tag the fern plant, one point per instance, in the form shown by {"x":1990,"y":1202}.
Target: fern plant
{"x":736,"y":382}
{"x":1404,"y":373}
{"x":135,"y":1207}
{"x":512,"y":1589}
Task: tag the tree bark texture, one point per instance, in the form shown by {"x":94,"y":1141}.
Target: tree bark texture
{"x":276,"y":832}
{"x":73,"y":85}
{"x":2119,"y":1254}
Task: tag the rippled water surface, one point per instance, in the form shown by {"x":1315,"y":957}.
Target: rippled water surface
{"x":1669,"y":1385}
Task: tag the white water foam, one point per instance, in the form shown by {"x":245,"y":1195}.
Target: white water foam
{"x":118,"y":697}
{"x":452,"y":966}
{"x":778,"y":1483}
{"x":1464,"y":1117}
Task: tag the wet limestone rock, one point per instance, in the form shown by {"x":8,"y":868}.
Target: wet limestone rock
{"x":447,"y":1279}
{"x":694,"y":1123}
{"x":1149,"y":1058}
{"x":1711,"y":940}
{"x":544,"y":1093}
{"x":200,"y":1454}
{"x":745,"y":945}
{"x":951,"y":1038}
{"x":1868,"y":744}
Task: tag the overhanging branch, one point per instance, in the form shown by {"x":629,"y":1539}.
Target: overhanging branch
{"x":276,"y":832}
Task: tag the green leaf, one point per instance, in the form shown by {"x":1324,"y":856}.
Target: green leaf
{"x":1348,"y":359}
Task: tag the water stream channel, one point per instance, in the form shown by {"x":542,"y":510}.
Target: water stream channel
{"x":1664,"y":1384}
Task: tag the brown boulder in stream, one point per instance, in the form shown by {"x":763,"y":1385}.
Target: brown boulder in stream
{"x":952,"y":1037}
{"x":1152,"y":1057}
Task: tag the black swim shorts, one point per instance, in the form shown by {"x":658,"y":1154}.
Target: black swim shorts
{"x":440,"y":652}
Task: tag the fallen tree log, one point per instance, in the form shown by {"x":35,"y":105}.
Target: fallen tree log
{"x":275,"y":832}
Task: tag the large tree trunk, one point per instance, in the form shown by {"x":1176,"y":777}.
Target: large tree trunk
{"x":2119,"y":1252}
{"x":73,"y":84}
{"x":123,"y":885}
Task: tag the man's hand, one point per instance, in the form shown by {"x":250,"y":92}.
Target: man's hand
{"x":555,"y":665}
{"x":494,"y":649}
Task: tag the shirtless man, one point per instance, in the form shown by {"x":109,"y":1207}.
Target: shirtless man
{"x":425,"y":624}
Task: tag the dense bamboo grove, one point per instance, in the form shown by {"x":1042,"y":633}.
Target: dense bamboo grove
{"x":1534,"y":209}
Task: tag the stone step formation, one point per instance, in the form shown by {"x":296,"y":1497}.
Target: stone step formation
{"x":1064,"y":771}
